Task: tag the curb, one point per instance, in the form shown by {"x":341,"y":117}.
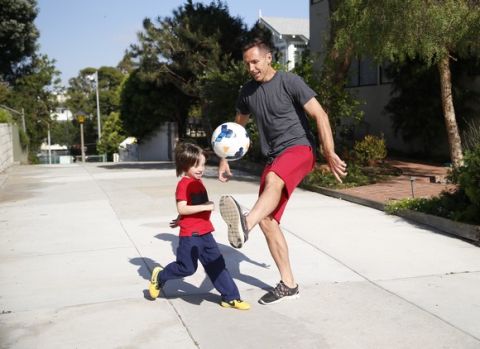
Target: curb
{"x":462,"y":230}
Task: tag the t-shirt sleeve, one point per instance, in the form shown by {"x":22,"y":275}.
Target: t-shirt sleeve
{"x":241,"y":105}
{"x":181,"y":192}
{"x":299,"y":90}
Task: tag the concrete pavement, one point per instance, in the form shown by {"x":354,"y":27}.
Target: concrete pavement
{"x":77,"y":244}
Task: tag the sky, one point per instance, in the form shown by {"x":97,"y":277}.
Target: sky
{"x":94,"y":33}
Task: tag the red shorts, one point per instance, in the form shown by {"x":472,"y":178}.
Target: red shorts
{"x":291,"y":166}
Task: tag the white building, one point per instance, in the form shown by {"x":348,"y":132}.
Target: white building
{"x":290,"y":37}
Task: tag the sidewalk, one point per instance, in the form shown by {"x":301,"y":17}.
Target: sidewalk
{"x":78,"y":243}
{"x":417,"y":180}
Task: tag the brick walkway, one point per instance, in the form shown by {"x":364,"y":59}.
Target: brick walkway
{"x":428,"y":181}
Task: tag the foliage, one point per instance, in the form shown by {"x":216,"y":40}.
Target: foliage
{"x":409,"y":29}
{"x":24,"y":139}
{"x":341,"y":106}
{"x":469,"y":176}
{"x":83,"y":98}
{"x":370,"y":150}
{"x":18,"y":36}
{"x":462,"y":205}
{"x":5,"y":117}
{"x":471,"y":134}
{"x":356,"y":176}
{"x":147,"y":101}
{"x":219,"y":92}
{"x":112,"y":135}
{"x":415,"y":108}
{"x":179,"y":57}
{"x":33,"y":92}
{"x":450,"y":205}
{"x":431,"y":31}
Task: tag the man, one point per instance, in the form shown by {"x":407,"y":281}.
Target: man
{"x":279,"y":103}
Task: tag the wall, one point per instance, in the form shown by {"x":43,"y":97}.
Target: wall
{"x":161,"y":145}
{"x":6,"y":146}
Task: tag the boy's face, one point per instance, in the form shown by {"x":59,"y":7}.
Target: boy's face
{"x":197,"y":170}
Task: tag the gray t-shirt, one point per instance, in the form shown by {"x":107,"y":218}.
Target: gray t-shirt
{"x":277,"y":107}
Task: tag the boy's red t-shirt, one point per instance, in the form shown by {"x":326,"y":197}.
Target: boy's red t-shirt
{"x":193,"y":192}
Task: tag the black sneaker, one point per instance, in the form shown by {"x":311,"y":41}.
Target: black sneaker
{"x":234,"y":217}
{"x":279,"y":293}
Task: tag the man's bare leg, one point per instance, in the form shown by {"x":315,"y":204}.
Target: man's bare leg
{"x":267,"y":201}
{"x":278,"y":249}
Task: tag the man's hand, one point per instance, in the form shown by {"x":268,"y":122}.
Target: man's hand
{"x":224,"y":172}
{"x":337,"y":166}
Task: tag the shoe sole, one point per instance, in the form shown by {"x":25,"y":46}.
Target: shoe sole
{"x":153,"y":281}
{"x":230,"y":212}
{"x":295,"y":296}
{"x":227,"y":305}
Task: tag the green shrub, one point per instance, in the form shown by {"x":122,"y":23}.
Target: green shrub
{"x":5,"y":117}
{"x":370,"y":150}
{"x":356,"y":176}
{"x":24,"y":139}
{"x":469,"y":175}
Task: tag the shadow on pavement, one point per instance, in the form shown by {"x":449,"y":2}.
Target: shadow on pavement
{"x":188,"y":292}
{"x":139,"y":166}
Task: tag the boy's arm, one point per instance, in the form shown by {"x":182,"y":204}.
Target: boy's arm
{"x":185,"y":210}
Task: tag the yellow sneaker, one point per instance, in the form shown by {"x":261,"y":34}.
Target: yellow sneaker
{"x":236,"y":304}
{"x":154,"y":287}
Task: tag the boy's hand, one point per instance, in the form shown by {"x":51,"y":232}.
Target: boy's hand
{"x":210,"y":205}
{"x":174,"y":222}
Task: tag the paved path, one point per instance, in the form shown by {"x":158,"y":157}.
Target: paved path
{"x":77,"y":244}
{"x":416,"y":180}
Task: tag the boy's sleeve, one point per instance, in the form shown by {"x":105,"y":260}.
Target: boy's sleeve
{"x":181,"y":192}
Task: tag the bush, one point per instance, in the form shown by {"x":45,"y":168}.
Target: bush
{"x":463,"y":205}
{"x":5,"y":117}
{"x":370,"y":150}
{"x":469,"y":175}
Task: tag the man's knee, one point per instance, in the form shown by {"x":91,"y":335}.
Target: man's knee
{"x":274,"y":181}
{"x":268,"y":225}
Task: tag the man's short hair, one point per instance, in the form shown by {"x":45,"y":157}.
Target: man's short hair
{"x":257,"y":42}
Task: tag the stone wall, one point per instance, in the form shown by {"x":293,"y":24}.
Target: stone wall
{"x":6,"y":146}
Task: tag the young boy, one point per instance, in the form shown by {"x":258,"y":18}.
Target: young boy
{"x":196,"y":239}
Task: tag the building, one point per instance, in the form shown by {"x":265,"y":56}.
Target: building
{"x":368,"y":82}
{"x":290,"y":37}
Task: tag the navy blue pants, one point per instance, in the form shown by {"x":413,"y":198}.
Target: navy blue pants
{"x":202,"y":248}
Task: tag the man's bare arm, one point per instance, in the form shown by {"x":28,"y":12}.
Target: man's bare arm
{"x":325,"y":136}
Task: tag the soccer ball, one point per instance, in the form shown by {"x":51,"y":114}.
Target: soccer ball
{"x":230,"y":141}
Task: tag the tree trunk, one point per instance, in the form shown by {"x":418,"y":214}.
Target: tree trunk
{"x":454,"y":139}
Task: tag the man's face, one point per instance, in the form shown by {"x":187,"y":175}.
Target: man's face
{"x":257,"y":62}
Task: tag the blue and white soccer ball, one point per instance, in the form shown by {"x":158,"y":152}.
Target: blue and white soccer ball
{"x":230,"y":141}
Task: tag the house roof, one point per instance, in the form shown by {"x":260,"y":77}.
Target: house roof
{"x":288,"y":26}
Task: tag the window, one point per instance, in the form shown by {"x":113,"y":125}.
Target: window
{"x":362,"y":72}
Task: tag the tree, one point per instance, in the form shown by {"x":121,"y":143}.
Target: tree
{"x":415,"y":108}
{"x":82,"y":97}
{"x":147,"y":101}
{"x":175,"y":52}
{"x":431,"y":31}
{"x":33,"y":93}
{"x":18,"y":36}
{"x":112,"y":135}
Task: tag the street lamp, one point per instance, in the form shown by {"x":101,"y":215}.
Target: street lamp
{"x":48,"y":138}
{"x":94,"y":77}
{"x":81,"y":119}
